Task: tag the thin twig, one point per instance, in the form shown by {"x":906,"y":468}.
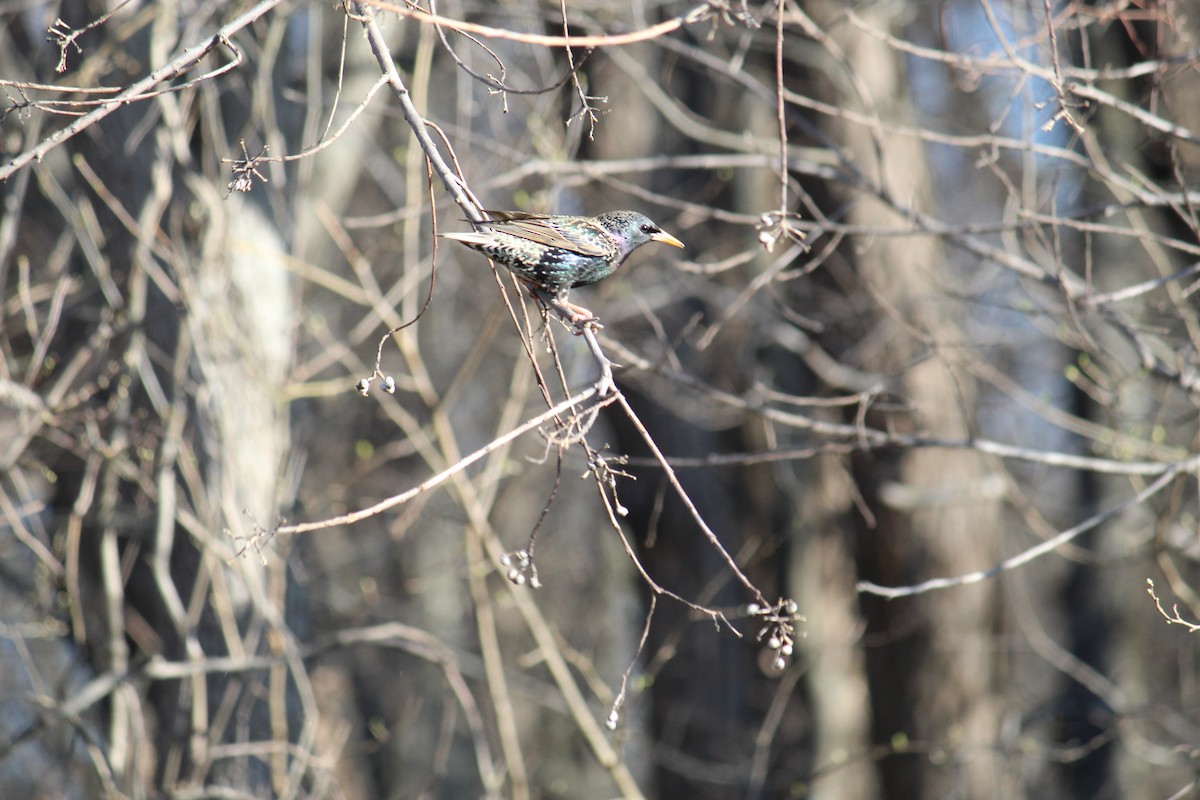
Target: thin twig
{"x":436,"y":480}
{"x":696,"y":14}
{"x":682,"y":494}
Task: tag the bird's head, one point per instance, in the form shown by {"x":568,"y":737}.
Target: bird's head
{"x":632,"y":230}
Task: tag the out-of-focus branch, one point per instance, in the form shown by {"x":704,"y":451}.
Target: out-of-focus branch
{"x":184,"y":61}
{"x":1033,"y":553}
{"x":697,"y":14}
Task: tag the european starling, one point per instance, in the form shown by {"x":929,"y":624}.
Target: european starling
{"x":557,"y":253}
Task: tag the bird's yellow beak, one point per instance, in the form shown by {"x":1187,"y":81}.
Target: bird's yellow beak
{"x":666,"y":238}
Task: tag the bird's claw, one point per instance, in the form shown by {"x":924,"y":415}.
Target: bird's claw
{"x":583,"y":323}
{"x":577,"y":315}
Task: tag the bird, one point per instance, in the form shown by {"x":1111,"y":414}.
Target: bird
{"x":556,"y":253}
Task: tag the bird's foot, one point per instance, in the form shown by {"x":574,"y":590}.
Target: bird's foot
{"x":576,"y":315}
{"x":584,"y":324}
{"x":580,"y":317}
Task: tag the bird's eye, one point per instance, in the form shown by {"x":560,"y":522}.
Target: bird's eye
{"x":649,"y":229}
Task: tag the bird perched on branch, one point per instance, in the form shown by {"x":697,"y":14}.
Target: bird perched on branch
{"x":557,"y":253}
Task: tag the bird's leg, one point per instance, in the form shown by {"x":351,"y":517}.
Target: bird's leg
{"x":577,"y":315}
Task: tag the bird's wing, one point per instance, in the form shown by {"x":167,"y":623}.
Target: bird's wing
{"x":542,"y":230}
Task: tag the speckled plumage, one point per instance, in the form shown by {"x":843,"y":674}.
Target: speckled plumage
{"x":557,"y":253}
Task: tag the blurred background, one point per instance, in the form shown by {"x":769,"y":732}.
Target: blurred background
{"x":960,"y":431}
